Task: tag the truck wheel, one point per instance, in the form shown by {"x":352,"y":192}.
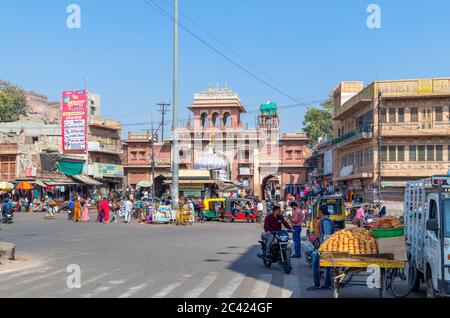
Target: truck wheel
{"x":431,"y":292}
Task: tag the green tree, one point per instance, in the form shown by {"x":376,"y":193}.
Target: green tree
{"x":319,"y":121}
{"x":13,"y":102}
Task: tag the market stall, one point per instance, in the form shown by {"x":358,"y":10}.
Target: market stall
{"x":382,"y":251}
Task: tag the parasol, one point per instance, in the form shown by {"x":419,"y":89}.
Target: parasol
{"x":25,"y":186}
{"x":6,"y":186}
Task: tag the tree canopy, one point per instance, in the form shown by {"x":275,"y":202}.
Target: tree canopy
{"x":319,"y":121}
{"x":13,"y":102}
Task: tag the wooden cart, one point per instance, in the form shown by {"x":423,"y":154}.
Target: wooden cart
{"x":344,"y":264}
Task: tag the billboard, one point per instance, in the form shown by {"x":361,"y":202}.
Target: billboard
{"x":102,"y":170}
{"x":74,"y":122}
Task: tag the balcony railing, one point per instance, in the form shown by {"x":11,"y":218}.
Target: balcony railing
{"x":363,"y":131}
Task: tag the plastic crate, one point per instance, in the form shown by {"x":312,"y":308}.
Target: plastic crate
{"x":384,"y":233}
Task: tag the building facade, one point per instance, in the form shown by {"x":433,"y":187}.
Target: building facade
{"x":253,"y":158}
{"x":412,"y":119}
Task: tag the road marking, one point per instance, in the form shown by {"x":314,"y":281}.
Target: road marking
{"x":102,"y":289}
{"x":202,"y":286}
{"x":86,"y":282}
{"x":261,"y":287}
{"x":39,"y":270}
{"x":31,"y":280}
{"x":170,"y":288}
{"x":291,"y":287}
{"x":133,"y":290}
{"x":231,"y":287}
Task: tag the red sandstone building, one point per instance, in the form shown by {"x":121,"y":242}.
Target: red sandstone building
{"x":217,"y":141}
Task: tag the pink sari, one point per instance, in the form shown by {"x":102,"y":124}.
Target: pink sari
{"x":85,"y":215}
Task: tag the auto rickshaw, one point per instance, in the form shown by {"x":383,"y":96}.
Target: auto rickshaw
{"x":213,"y":207}
{"x":335,"y":205}
{"x":236,"y":209}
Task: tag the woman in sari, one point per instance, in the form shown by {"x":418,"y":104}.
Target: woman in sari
{"x":77,"y":210}
{"x":106,"y":209}
{"x":85,"y":216}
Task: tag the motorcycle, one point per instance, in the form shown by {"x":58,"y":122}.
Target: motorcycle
{"x":280,"y":251}
{"x":8,"y":217}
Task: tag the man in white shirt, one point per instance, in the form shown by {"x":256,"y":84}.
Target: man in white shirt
{"x":128,"y":210}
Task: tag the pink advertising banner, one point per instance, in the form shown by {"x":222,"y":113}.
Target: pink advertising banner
{"x":74,"y":122}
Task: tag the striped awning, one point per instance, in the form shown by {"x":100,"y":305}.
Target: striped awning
{"x":83,"y":178}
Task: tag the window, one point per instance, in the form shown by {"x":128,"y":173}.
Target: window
{"x":401,"y":153}
{"x":384,"y":156}
{"x":414,"y":115}
{"x":412,"y":153}
{"x":421,"y":153}
{"x":383,"y":115}
{"x":392,"y":115}
{"x":289,"y":154}
{"x":339,"y":132}
{"x":392,"y":153}
{"x":438,"y":112}
{"x":430,"y":153}
{"x":299,"y":154}
{"x":439,"y":153}
{"x":134,"y":155}
{"x":142,"y":155}
{"x":433,"y":210}
{"x":401,"y":115}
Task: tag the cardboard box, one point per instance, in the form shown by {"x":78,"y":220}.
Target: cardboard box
{"x":393,"y":245}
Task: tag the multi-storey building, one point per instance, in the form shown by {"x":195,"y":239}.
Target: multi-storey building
{"x":412,"y":119}
{"x":217,"y":140}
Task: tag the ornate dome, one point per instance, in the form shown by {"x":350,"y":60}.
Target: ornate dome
{"x":211,"y":161}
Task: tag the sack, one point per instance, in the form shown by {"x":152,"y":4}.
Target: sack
{"x":308,"y":246}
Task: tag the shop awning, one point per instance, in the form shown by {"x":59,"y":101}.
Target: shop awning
{"x":196,"y":181}
{"x":40,"y":183}
{"x":70,"y":168}
{"x":87,"y":180}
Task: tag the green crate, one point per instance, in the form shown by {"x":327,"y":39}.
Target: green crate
{"x":384,"y":233}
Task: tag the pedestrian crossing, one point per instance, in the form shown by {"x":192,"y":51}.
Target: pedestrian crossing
{"x":51,"y":282}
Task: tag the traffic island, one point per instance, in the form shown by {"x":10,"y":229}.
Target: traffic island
{"x":7,"y":251}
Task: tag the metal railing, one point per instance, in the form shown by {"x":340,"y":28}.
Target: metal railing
{"x":363,"y":130}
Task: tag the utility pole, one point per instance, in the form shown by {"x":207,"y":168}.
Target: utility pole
{"x":380,"y":141}
{"x":152,"y":141}
{"x":176,"y":154}
{"x":163,"y":109}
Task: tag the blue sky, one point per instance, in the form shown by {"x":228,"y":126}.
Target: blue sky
{"x":125,"y":49}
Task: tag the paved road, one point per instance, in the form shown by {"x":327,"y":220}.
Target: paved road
{"x":131,"y":260}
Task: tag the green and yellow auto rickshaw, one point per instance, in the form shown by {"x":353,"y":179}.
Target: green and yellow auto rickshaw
{"x":213,"y":208}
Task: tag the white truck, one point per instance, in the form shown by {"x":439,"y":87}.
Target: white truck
{"x":427,"y":230}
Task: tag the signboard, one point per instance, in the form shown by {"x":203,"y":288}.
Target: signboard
{"x":244,"y":171}
{"x":328,"y":162}
{"x":102,"y":170}
{"x":74,"y":122}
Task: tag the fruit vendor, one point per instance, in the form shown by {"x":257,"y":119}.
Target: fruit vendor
{"x":326,"y":230}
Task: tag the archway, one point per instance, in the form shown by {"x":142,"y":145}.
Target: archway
{"x":204,"y":120}
{"x":215,"y":120}
{"x":264,"y":184}
{"x":227,"y":120}
{"x":160,"y":187}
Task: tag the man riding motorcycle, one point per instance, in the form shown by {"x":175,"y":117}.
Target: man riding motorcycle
{"x":273,"y":223}
{"x":7,"y":208}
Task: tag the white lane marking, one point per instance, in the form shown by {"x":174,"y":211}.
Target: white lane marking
{"x":291,"y":287}
{"x":31,"y":280}
{"x":170,"y":288}
{"x":202,"y":286}
{"x":116,"y":282}
{"x":133,"y":290}
{"x":102,"y":289}
{"x":230,"y":288}
{"x":87,"y":282}
{"x":39,"y":270}
{"x":261,"y":287}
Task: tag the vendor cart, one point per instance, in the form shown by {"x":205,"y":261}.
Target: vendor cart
{"x":184,"y":216}
{"x":163,"y":215}
{"x":392,"y":273}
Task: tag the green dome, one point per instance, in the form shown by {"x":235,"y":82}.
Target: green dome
{"x":270,"y":108}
